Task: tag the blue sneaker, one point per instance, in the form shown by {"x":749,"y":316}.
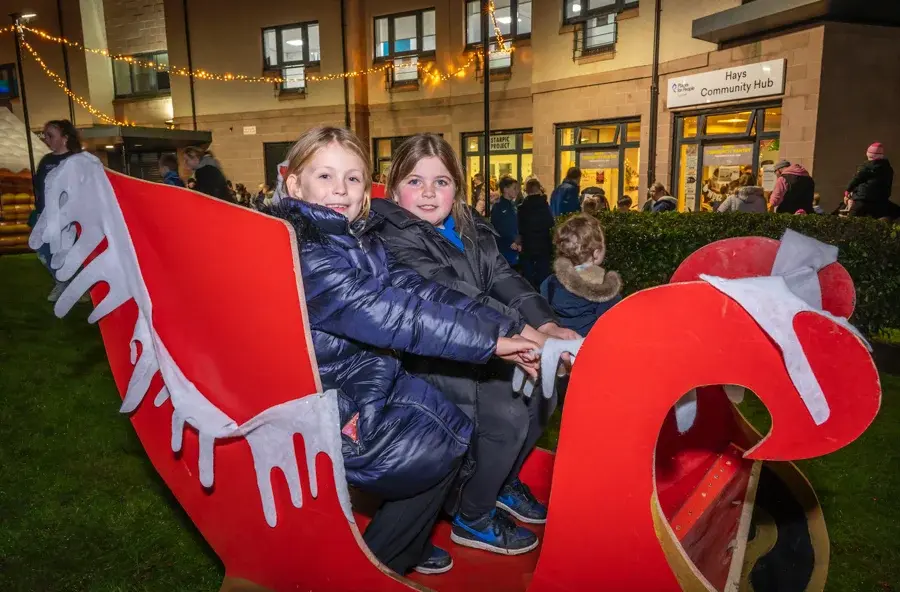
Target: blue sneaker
{"x":518,"y":500}
{"x":493,"y":532}
{"x":439,"y":562}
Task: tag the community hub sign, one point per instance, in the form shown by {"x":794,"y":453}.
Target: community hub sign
{"x":765,"y":79}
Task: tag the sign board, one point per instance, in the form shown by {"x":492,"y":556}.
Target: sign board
{"x":503,"y":143}
{"x":600,"y":160}
{"x":765,"y":79}
{"x":249,"y":130}
{"x":690,"y":176}
{"x":769,"y":178}
{"x":727,"y":155}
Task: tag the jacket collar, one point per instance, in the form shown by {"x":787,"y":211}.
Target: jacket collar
{"x":327,"y":220}
{"x":592,"y":283}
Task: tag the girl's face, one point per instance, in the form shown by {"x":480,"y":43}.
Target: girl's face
{"x":191,"y":162}
{"x":55,"y":140}
{"x":428,"y":191}
{"x":335,"y":178}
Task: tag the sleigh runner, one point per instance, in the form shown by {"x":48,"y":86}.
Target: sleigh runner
{"x":670,"y":496}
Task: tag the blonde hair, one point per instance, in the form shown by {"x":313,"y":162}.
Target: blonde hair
{"x":317,"y":138}
{"x":196,"y":152}
{"x":590,"y":205}
{"x":405,"y":158}
{"x":578,"y":238}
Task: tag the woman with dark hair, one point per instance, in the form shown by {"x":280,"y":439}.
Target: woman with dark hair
{"x":63,"y":140}
{"x":207,"y":172}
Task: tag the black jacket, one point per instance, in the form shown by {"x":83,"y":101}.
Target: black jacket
{"x":480,"y":273}
{"x":536,"y":227}
{"x":211,"y":180}
{"x":873,"y":181}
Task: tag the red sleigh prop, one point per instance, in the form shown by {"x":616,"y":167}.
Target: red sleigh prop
{"x":634,"y":504}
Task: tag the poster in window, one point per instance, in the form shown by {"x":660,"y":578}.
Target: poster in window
{"x":727,"y":155}
{"x":690,"y":177}
{"x":503,"y":143}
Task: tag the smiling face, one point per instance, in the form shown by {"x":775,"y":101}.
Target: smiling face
{"x":428,"y":191}
{"x":334,"y":178}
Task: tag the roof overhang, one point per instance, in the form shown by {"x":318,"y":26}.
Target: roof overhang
{"x":762,"y":16}
{"x":142,"y":138}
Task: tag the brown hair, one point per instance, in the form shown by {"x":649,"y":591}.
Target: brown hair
{"x":657,"y":188}
{"x":314,"y":139}
{"x":533,"y":186}
{"x":414,"y":149}
{"x":68,"y":131}
{"x":573,"y":174}
{"x":196,"y":152}
{"x":169,"y":161}
{"x":578,"y":238}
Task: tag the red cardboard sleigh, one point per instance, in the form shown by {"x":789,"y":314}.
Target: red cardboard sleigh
{"x":212,"y":300}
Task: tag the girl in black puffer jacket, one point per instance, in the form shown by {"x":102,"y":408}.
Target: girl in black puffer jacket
{"x":401,"y":438}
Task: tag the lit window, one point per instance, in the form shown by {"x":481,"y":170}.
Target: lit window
{"x":290,"y":50}
{"x":513,"y":18}
{"x":146,"y":76}
{"x":581,"y":10}
{"x":8,"y":87}
{"x":403,"y":39}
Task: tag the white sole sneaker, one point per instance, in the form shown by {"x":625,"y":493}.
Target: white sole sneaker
{"x":518,"y":516}
{"x":433,"y":571}
{"x":491,"y":548}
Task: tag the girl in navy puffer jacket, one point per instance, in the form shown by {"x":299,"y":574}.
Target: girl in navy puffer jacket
{"x":401,"y":438}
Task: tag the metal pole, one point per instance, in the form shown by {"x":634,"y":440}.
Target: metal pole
{"x":18,"y":36}
{"x":344,"y":58}
{"x":65,"y":52}
{"x":654,"y":97}
{"x":486,"y":71}
{"x":190,"y":61}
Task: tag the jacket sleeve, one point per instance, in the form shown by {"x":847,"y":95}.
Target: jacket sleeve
{"x":514,"y":291}
{"x":778,"y":193}
{"x":345,"y":300}
{"x":206,"y":180}
{"x":861,"y":176}
{"x":408,"y":253}
{"x":728,"y":205}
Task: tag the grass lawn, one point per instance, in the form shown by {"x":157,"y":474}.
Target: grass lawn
{"x":82,"y":509}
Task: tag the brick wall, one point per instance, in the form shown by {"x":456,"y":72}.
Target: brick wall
{"x":135,"y":26}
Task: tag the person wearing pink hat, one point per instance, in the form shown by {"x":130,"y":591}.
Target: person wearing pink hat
{"x":869,"y":192}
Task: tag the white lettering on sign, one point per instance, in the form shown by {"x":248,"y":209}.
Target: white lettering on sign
{"x":504,"y":142}
{"x":731,"y":84}
{"x":249,"y":130}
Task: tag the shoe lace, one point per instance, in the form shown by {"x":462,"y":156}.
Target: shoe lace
{"x":502,"y":523}
{"x":524,"y":491}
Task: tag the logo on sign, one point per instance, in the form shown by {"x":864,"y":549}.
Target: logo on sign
{"x":682,"y":88}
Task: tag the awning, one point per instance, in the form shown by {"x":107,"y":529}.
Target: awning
{"x":761,"y":16}
{"x":142,"y":138}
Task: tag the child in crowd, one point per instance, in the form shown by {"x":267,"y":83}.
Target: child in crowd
{"x":624,"y":204}
{"x":506,"y":221}
{"x":402,"y":439}
{"x":168,"y":169}
{"x":536,"y":232}
{"x":580,"y":291}
{"x":428,"y":226}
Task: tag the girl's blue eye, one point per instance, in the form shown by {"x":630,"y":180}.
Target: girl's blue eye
{"x":324,"y":176}
{"x":354,"y":179}
{"x":413,"y":181}
{"x":442,"y":183}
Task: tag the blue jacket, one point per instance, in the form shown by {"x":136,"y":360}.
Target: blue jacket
{"x":564,"y":199}
{"x":172,"y":178}
{"x":580,"y":296}
{"x":505,"y":220}
{"x":362,"y":307}
{"x":666,"y":203}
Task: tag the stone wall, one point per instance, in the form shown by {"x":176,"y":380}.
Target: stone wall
{"x":135,"y":26}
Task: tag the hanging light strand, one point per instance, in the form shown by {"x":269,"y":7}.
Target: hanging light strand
{"x":75,"y":97}
{"x":501,"y":42}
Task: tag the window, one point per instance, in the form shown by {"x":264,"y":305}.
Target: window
{"x":608,"y":154}
{"x":140,"y":79}
{"x":575,"y":11}
{"x":290,"y":50}
{"x":9,"y":89}
{"x":383,"y":149}
{"x":599,"y":34}
{"x":403,"y":39}
{"x":513,"y":19}
{"x":511,"y":155}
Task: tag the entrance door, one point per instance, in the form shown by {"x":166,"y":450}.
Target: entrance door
{"x":273,"y":155}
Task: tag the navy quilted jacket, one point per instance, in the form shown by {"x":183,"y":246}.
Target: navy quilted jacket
{"x":362,"y":308}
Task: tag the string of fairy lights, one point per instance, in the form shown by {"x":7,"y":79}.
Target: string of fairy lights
{"x":427,"y":69}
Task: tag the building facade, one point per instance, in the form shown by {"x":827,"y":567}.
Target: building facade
{"x":738,"y":85}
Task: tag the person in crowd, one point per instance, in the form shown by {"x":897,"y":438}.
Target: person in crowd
{"x":794,"y":189}
{"x":232,"y":194}
{"x":536,"y":229}
{"x":207,"y":172}
{"x":564,"y":199}
{"x":580,"y":290}
{"x":662,"y":201}
{"x":62,"y":138}
{"x":431,"y":229}
{"x":505,"y":220}
{"x":403,"y":440}
{"x":624,"y":204}
{"x":243,"y":196}
{"x":192,"y":183}
{"x":817,"y":204}
{"x":168,"y":170}
{"x":749,"y":199}
{"x":593,"y":201}
{"x":378,"y":185}
{"x":869,"y":192}
{"x":259,"y":202}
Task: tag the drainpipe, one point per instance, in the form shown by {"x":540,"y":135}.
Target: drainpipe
{"x":344,"y":58}
{"x":65,"y":52}
{"x":654,"y":97}
{"x":190,"y":61}
{"x":486,"y":72}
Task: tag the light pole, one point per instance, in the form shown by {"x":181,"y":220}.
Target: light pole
{"x":16,"y":18}
{"x":486,"y":73}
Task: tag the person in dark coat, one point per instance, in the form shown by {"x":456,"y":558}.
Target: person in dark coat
{"x":402,"y":439}
{"x":869,"y":191}
{"x":564,"y":199}
{"x":505,"y":219}
{"x":580,"y":290}
{"x":431,"y":229}
{"x":661,"y":200}
{"x":168,"y":169}
{"x":536,"y":232}
{"x":794,"y":189}
{"x":207,"y":172}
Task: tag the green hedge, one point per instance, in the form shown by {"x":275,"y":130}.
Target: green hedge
{"x":647,"y":248}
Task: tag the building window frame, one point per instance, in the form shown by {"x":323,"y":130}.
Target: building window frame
{"x":583,"y":36}
{"x":9,"y":73}
{"x":620,"y":143}
{"x":394,"y":141}
{"x":291,"y":71}
{"x":754,"y":132}
{"x":158,"y":90}
{"x":513,"y":24}
{"x":615,"y":7}
{"x":519,"y":151}
{"x":403,"y":61}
